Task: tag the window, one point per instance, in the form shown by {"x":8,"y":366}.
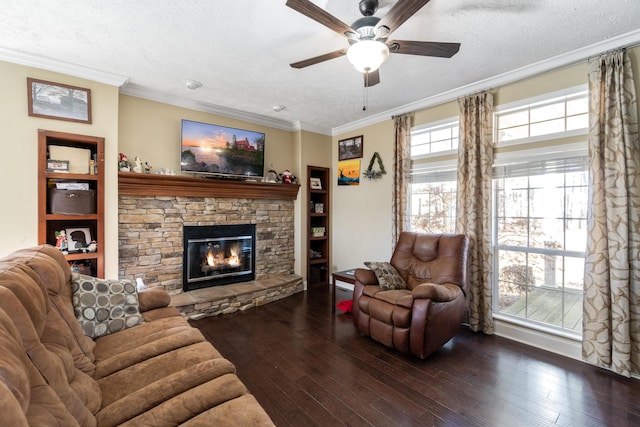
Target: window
{"x":540,"y":234}
{"x":433,"y":188}
{"x":434,"y":138}
{"x":433,"y":202}
{"x":540,"y":210}
{"x":558,"y":114}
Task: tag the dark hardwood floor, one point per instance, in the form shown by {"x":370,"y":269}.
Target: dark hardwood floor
{"x":309,"y":367}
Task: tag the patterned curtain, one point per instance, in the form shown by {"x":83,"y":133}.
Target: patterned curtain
{"x":475,"y":158}
{"x":611,"y":317}
{"x":401,"y":175}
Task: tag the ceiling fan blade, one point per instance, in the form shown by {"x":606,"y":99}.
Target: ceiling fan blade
{"x":400,"y":12}
{"x":372,"y":79}
{"x":314,"y":12}
{"x":320,"y":58}
{"x":411,"y":47}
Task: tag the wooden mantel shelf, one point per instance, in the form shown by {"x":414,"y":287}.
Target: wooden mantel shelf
{"x":138,"y":184}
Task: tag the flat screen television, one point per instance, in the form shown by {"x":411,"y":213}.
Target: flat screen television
{"x":222,"y":151}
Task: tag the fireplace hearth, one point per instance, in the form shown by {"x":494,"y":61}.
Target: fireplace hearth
{"x":218,"y":255}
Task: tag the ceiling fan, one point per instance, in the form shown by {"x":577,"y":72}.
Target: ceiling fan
{"x":368,"y":36}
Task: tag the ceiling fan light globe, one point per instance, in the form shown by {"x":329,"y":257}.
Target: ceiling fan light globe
{"x":367,"y":55}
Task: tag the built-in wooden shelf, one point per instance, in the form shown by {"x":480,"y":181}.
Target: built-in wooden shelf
{"x":138,"y":184}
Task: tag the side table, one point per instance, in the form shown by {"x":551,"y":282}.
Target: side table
{"x":346,"y":276}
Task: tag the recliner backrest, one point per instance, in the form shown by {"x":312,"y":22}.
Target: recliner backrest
{"x":431,"y":258}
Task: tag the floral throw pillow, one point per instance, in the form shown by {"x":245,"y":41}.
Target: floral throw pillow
{"x":104,"y":306}
{"x":388,"y":276}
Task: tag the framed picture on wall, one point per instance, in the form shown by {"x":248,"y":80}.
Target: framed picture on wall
{"x":58,"y":101}
{"x":350,"y":148}
{"x":349,"y":172}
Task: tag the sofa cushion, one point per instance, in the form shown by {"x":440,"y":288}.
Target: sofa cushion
{"x":13,"y":364}
{"x":147,"y":350}
{"x":388,"y":276}
{"x":53,"y":269}
{"x":20,"y":299}
{"x":104,"y":306}
{"x":25,"y":397}
{"x":242,"y":411}
{"x":180,"y":403}
{"x":153,"y":298}
{"x":141,"y":387}
{"x":130,"y":339}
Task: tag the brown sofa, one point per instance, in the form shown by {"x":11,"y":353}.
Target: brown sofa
{"x":161,"y":372}
{"x":426,"y":306}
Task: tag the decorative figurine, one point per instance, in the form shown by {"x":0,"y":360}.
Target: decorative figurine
{"x":123,"y":163}
{"x":287,"y":177}
{"x":137,"y":165}
{"x":93,"y":246}
{"x":147,"y":167}
{"x":61,"y":240}
{"x":272,"y":175}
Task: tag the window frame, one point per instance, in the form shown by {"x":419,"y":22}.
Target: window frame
{"x":530,"y":150}
{"x":536,"y":101}
{"x":439,"y":162}
{"x":449,"y":122}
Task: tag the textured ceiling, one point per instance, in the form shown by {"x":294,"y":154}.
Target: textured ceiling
{"x":241,"y":49}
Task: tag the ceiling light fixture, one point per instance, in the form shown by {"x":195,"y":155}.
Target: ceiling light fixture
{"x":279,"y":108}
{"x":192,"y":84}
{"x":367,"y":55}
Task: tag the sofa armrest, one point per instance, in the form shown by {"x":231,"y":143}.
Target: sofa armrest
{"x":365,"y":276}
{"x":440,"y":293}
{"x":152,"y":298}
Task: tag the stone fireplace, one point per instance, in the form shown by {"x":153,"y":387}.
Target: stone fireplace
{"x":216,"y":255}
{"x":154,"y":210}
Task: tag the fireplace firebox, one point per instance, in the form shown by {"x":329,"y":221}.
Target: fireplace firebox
{"x":218,"y":255}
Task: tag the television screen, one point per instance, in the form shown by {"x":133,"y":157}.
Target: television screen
{"x":219,"y":150}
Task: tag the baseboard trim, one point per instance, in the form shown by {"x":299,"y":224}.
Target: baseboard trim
{"x":555,"y":344}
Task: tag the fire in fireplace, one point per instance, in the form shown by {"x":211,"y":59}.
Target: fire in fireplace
{"x":218,"y":255}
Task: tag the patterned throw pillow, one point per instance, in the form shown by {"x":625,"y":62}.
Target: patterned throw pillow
{"x":388,"y":276}
{"x":104,"y":306}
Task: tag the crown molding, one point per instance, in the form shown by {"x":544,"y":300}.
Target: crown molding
{"x":158,"y":96}
{"x":625,"y":40}
{"x":299,"y":126}
{"x":569,"y":58}
{"x":44,"y":63}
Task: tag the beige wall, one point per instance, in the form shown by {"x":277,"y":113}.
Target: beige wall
{"x":18,"y":149}
{"x":362,"y":214}
{"x":151,"y":130}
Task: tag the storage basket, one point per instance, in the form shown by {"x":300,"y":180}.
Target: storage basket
{"x":72,"y":202}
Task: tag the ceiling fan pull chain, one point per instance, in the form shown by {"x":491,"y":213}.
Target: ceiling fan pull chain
{"x":366,"y":88}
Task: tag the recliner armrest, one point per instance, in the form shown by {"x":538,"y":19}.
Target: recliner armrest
{"x":152,"y":298}
{"x":366,"y":277}
{"x":440,"y":293}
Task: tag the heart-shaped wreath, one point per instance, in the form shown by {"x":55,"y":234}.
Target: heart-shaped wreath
{"x":375,"y":174}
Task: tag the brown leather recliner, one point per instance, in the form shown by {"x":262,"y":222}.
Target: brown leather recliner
{"x":422,"y":318}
